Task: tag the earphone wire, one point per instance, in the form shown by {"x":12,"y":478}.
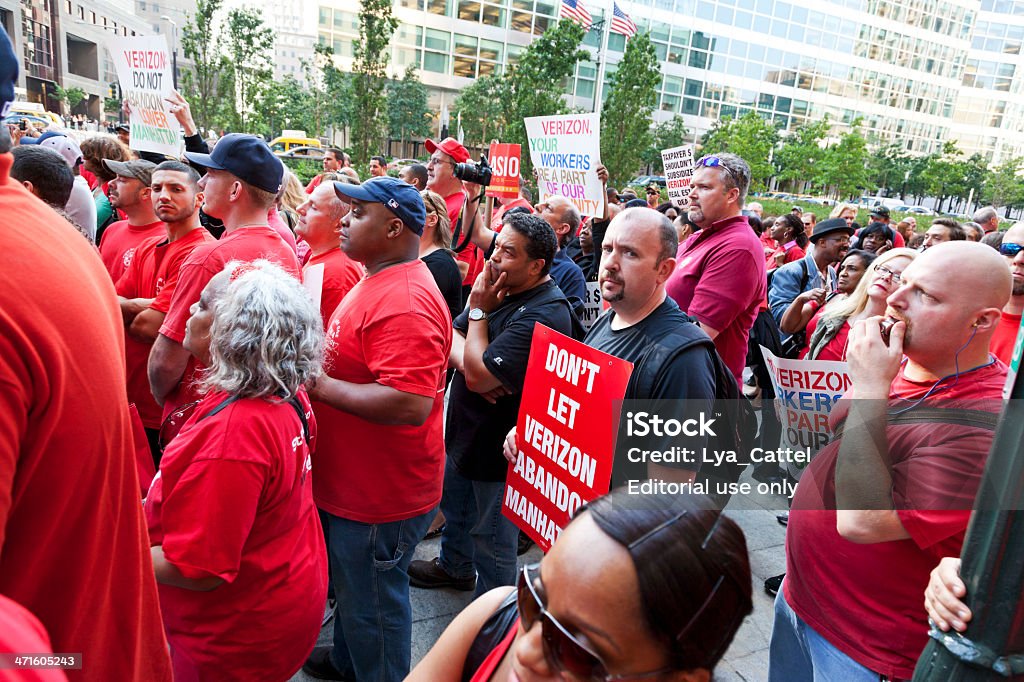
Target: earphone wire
{"x":955,"y":376}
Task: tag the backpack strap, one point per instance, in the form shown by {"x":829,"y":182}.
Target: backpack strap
{"x":979,"y":419}
{"x":494,"y":629}
{"x":294,"y":402}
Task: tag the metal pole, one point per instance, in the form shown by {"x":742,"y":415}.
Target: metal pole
{"x":992,"y":563}
{"x":602,"y":60}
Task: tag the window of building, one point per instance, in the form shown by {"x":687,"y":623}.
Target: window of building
{"x":438,"y":63}
{"x":492,"y":15}
{"x":469,"y":10}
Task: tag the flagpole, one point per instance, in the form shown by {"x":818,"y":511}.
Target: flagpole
{"x":602,"y":59}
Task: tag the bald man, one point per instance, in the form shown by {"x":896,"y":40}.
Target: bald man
{"x":1012,"y":250}
{"x":894,"y":490}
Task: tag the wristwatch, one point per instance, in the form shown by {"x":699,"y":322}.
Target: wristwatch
{"x":477,"y":314}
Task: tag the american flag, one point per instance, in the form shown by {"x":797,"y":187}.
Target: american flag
{"x":621,"y":23}
{"x":575,"y":11}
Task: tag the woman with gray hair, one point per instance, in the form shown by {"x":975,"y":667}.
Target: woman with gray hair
{"x":238,"y":550}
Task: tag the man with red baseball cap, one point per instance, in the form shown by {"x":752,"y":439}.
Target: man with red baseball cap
{"x":441,"y":179}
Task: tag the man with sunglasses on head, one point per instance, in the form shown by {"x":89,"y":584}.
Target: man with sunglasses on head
{"x":720,"y":276}
{"x":1009,"y":323}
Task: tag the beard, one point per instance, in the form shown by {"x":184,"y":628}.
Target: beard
{"x":616,"y":297}
{"x":1018,"y":288}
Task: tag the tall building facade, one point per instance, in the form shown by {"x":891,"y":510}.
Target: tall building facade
{"x":914,"y":71}
{"x":64,"y":42}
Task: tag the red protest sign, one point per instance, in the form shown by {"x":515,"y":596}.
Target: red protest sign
{"x":566,"y":433}
{"x":504,"y":160}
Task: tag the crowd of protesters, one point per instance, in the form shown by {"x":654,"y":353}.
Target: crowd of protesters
{"x":299,"y":384}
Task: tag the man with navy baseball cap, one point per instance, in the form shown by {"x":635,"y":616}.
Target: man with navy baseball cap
{"x":379,"y":409}
{"x":241,"y":183}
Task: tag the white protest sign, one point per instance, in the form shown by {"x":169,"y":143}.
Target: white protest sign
{"x":678,"y":163}
{"x":144,"y":71}
{"x":565,"y":151}
{"x":313,"y":282}
{"x":593,"y":306}
{"x":805,"y":393}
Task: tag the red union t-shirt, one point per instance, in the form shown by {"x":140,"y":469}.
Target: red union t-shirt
{"x":720,"y":280}
{"x":206,"y":260}
{"x":119,"y":242}
{"x":21,"y":631}
{"x":153,"y":273}
{"x":394,"y":329}
{"x":234,"y":500}
{"x":866,"y":598}
{"x":73,"y":544}
{"x":1005,"y":337}
{"x":341,"y":273}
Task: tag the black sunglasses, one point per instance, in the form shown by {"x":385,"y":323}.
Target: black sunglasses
{"x":1010,"y":249}
{"x":562,"y":651}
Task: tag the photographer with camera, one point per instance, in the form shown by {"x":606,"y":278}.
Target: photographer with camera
{"x":445,"y":157}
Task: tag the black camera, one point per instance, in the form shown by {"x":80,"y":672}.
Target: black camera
{"x":477,"y":173}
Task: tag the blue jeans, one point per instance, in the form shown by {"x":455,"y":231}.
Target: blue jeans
{"x":373,"y":619}
{"x":477,"y":536}
{"x":799,"y":654}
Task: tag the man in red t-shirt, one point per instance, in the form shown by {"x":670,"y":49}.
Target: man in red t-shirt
{"x":720,"y":276}
{"x":129,"y":192}
{"x":241,"y":183}
{"x":319,"y":225}
{"x":334,"y":161}
{"x":441,"y":179}
{"x":1005,"y":337}
{"x":880,"y":505}
{"x":378,"y":469}
{"x":145,"y":289}
{"x":73,"y":542}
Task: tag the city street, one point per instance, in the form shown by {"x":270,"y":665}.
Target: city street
{"x":745,"y":661}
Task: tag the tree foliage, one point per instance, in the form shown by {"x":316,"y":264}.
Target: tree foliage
{"x":369,"y":73}
{"x":205,"y":85}
{"x":748,"y":136}
{"x":286,"y":104}
{"x":626,"y":114}
{"x":535,"y":85}
{"x":1004,"y":185}
{"x":665,"y":135}
{"x":483,"y":108}
{"x":72,"y":97}
{"x":250,"y":48}
{"x":331,"y":89}
{"x":843,"y":170}
{"x":408,"y":113}
{"x":798,"y":156}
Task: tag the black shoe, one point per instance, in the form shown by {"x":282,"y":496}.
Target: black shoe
{"x":429,"y":575}
{"x":766,"y":472}
{"x":772,"y":585}
{"x":524,"y":544}
{"x":319,"y":666}
{"x":783,"y":519}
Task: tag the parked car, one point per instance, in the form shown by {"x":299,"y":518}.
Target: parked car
{"x":644,"y":180}
{"x":315,"y":153}
{"x":920,"y":210}
{"x":398,"y":164}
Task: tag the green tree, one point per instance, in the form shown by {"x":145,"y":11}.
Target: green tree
{"x":626,"y":114}
{"x":798,"y":156}
{"x":408,"y":113}
{"x":843,"y":171}
{"x":537,"y":81}
{"x":942,"y":174}
{"x":250,"y":48}
{"x":750,"y":137}
{"x":889,"y":166}
{"x":666,"y":135}
{"x":331,"y":89}
{"x":369,"y":116}
{"x":203,"y":84}
{"x":483,"y":109}
{"x":285,"y":104}
{"x":1004,"y":185}
{"x":72,"y":97}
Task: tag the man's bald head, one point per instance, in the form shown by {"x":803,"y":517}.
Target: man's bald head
{"x":950,"y":298}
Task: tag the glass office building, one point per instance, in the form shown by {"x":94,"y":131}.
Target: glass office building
{"x":915,"y":71}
